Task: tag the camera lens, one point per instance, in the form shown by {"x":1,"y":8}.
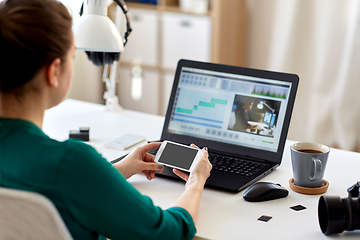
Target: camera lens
{"x":337,"y":215}
{"x":332,"y":215}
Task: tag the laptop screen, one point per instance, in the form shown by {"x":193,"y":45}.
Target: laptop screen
{"x":229,"y":108}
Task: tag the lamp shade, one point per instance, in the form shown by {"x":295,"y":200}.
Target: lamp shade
{"x":95,"y":32}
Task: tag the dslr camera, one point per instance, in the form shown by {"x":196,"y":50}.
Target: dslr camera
{"x":339,"y":214}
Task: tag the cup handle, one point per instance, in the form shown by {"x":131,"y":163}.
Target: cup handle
{"x":318,"y":168}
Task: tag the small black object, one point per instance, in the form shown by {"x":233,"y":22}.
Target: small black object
{"x":298,"y":207}
{"x":339,"y":214}
{"x":354,"y":190}
{"x":264,"y":191}
{"x":82,"y":134}
{"x":264,"y":218}
{"x":84,"y":129}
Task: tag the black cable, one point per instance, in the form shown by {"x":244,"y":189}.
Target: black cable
{"x":123,"y":7}
{"x":81,"y":9}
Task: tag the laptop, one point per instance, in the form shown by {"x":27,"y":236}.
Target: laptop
{"x":242,"y":115}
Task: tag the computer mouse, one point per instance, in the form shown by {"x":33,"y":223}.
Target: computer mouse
{"x":264,"y":191}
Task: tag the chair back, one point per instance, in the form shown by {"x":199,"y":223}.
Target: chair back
{"x":29,"y":215}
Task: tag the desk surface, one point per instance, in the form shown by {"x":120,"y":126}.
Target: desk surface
{"x":222,"y":215}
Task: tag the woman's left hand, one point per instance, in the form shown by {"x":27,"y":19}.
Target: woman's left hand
{"x":140,"y":161}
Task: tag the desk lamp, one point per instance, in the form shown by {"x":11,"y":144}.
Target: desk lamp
{"x":261,"y":106}
{"x":99,"y":37}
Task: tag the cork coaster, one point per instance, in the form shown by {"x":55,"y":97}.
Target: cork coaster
{"x":309,"y":191}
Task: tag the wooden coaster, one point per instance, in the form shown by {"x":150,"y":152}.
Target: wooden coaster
{"x":309,"y":191}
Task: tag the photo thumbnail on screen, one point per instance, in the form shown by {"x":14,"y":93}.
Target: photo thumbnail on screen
{"x":254,"y":115}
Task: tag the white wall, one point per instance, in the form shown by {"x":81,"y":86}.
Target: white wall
{"x":86,"y":83}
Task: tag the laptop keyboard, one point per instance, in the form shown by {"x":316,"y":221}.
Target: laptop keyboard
{"x":235,"y":165}
{"x":232,"y":165}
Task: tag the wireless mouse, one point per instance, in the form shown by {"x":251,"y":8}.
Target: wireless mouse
{"x":264,"y":191}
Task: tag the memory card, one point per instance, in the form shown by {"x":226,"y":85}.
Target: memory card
{"x":264,"y":218}
{"x":298,"y":207}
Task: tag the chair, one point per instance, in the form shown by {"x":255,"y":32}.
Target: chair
{"x":29,"y":215}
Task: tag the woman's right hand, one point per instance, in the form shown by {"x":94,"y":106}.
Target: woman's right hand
{"x":201,"y":171}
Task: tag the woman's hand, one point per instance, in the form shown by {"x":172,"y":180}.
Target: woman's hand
{"x":200,"y":172}
{"x":140,"y":161}
{"x":190,"y":199}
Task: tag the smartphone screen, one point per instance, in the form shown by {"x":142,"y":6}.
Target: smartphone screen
{"x":178,"y":156}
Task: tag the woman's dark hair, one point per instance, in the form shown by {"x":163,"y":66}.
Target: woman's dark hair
{"x":32,"y":34}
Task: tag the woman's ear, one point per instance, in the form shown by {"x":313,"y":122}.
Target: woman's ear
{"x":53,"y":72}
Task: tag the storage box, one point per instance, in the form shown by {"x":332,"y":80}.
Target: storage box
{"x":185,"y":36}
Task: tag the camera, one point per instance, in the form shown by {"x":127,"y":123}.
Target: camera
{"x":339,"y":214}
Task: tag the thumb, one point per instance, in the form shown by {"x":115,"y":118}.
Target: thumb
{"x":154,"y":166}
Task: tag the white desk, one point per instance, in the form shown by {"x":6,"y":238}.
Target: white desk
{"x":222,"y":215}
{"x":263,"y":129}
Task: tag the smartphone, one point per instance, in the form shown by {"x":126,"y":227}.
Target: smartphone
{"x":177,"y":155}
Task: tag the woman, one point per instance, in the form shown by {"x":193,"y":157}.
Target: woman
{"x":92,"y":196}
